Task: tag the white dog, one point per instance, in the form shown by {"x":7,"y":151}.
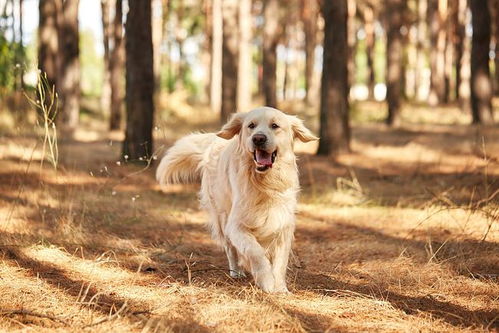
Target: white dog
{"x":249,"y":183}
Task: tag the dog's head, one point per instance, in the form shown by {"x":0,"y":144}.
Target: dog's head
{"x":266,"y":134}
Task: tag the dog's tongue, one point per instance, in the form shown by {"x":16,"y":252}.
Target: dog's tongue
{"x":263,"y":158}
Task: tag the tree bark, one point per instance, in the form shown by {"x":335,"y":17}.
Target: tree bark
{"x":244,"y":74}
{"x":421,"y":49}
{"x":216,"y":57}
{"x":334,"y":123}
{"x":496,"y":59}
{"x":459,"y":24}
{"x":138,"y":142}
{"x":106,"y":37}
{"x":68,"y":79}
{"x":370,"y":42}
{"x":310,"y":13}
{"x":47,"y":40}
{"x":157,"y":38}
{"x":180,"y":35}
{"x":116,"y":68}
{"x":394,"y":60}
{"x":229,"y":59}
{"x":481,"y":86}
{"x":437,"y":14}
{"x":352,"y":41}
{"x":21,"y":48}
{"x":271,"y":33}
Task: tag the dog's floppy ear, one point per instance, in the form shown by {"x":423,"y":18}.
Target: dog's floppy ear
{"x":233,"y":126}
{"x":300,"y":131}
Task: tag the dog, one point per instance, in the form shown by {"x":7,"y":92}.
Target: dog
{"x":249,"y":186}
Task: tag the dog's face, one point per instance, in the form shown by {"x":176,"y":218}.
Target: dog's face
{"x":266,"y":135}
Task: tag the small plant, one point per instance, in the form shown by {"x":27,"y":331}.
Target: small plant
{"x":46,"y":104}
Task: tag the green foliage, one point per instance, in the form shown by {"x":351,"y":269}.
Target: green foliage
{"x":12,"y":56}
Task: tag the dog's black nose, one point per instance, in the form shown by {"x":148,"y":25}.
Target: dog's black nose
{"x":259,"y":139}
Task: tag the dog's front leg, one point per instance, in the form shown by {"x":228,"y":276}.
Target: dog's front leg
{"x":247,"y":246}
{"x":280,"y":257}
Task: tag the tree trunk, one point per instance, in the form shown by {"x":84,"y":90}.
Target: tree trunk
{"x":437,"y":13}
{"x":68,"y":80}
{"x":229,"y":59}
{"x":496,"y":59}
{"x":422,"y":46}
{"x":310,"y":13}
{"x":180,"y":35}
{"x":271,"y":33}
{"x":47,"y":40}
{"x":245,"y":57}
{"x":21,"y":48}
{"x":394,"y":60}
{"x":139,"y":81}
{"x":352,"y":41}
{"x":157,"y":38}
{"x":116,"y":68}
{"x":334,"y":126}
{"x":370,"y":42}
{"x":459,"y":38}
{"x":216,"y":57}
{"x":481,"y":87}
{"x":449,"y":50}
{"x":106,"y":37}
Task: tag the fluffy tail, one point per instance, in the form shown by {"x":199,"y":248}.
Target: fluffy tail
{"x":182,"y":162}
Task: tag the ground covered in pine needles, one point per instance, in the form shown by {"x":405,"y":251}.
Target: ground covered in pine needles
{"x":400,"y":235}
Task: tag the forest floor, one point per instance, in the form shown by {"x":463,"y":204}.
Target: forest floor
{"x":400,"y":235}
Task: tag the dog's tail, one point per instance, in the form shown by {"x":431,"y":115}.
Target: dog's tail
{"x":183,"y":161}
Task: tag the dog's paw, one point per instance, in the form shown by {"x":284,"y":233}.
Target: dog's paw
{"x":265,"y":282}
{"x":237,"y":274}
{"x":283,"y":290}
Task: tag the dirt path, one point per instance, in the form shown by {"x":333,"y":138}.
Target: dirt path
{"x":399,"y":236}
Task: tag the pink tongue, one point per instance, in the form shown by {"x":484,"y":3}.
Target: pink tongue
{"x":263,"y":158}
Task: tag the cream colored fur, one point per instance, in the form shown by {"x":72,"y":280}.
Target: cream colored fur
{"x":252,"y":213}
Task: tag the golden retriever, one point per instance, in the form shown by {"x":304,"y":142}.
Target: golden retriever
{"x":249,"y":184}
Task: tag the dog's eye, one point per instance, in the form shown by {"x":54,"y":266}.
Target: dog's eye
{"x":274,"y":126}
{"x":252,"y":125}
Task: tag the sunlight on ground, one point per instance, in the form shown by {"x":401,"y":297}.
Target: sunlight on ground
{"x":399,"y":235}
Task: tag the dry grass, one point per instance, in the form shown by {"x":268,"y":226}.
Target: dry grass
{"x":401,"y":235}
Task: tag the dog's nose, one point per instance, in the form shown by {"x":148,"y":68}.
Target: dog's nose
{"x":259,"y":139}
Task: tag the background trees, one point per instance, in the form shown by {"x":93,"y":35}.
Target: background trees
{"x":236,"y":54}
{"x":139,"y":82}
{"x":335,"y":130}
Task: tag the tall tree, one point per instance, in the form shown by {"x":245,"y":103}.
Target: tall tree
{"x":245,"y":57}
{"x":216,"y":56}
{"x":116,"y":68}
{"x":368,"y":15}
{"x":496,"y":37}
{"x":20,"y":52}
{"x":421,"y":48}
{"x":394,"y":18}
{"x":334,"y":118}
{"x":437,"y":16}
{"x":68,"y":78}
{"x":47,"y":40}
{"x":229,"y":58}
{"x":309,"y":16}
{"x":106,"y":38}
{"x":481,"y":86}
{"x":271,"y":34}
{"x":139,"y":81}
{"x":352,"y":41}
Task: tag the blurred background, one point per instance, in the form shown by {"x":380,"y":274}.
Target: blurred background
{"x":130,"y":65}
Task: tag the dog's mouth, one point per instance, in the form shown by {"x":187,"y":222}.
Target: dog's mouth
{"x":264,"y":159}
